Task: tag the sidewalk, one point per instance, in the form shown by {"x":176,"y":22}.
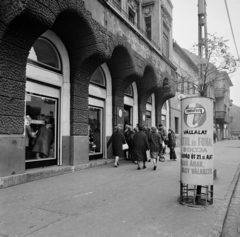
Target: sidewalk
{"x":105,"y":201}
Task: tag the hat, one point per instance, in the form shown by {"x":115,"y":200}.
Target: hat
{"x":154,"y":129}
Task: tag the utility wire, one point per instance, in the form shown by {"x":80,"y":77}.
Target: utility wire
{"x":231,"y":28}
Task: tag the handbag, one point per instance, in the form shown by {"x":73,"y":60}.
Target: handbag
{"x":125,"y":146}
{"x":163,"y":144}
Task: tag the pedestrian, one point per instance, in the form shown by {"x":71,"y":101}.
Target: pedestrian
{"x":164,"y":133}
{"x":140,"y":146}
{"x":214,"y":137}
{"x":172,"y":144}
{"x":147,"y":131}
{"x":128,"y":137}
{"x":117,"y":139}
{"x":155,"y":141}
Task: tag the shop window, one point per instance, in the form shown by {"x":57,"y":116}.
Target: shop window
{"x":95,"y":130}
{"x":165,"y":40}
{"x":148,"y":27}
{"x":41,"y":128}
{"x":131,"y":15}
{"x":129,"y":91}
{"x":176,"y":125}
{"x":44,"y":54}
{"x":98,"y":77}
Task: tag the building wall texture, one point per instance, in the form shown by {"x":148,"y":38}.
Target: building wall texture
{"x":92,"y":35}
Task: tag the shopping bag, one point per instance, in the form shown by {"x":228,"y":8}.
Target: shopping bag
{"x":125,"y":146}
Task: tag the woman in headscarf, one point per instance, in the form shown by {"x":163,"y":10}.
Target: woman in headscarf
{"x":117,"y":139}
{"x":155,"y":141}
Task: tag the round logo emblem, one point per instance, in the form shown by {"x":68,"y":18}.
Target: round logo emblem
{"x":144,"y":117}
{"x":120,"y":113}
{"x":194,"y":115}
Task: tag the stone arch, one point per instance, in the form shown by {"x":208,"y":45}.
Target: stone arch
{"x":125,"y":68}
{"x":147,"y":84}
{"x":20,"y":25}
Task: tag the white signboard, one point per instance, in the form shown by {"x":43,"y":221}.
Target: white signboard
{"x":197,"y":141}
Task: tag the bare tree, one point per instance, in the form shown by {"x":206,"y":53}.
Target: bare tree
{"x":214,"y":66}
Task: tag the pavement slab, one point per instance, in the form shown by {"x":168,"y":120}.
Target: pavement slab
{"x":123,"y":201}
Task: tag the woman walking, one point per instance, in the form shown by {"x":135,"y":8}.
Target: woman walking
{"x":172,"y":144}
{"x":140,"y":146}
{"x":117,"y":139}
{"x":155,"y":141}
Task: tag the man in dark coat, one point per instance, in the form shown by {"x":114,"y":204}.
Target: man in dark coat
{"x":140,"y":146}
{"x":117,"y":139}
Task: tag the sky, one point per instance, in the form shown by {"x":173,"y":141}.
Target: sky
{"x":185,"y":29}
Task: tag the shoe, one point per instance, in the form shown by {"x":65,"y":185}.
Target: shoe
{"x":149,"y":160}
{"x":144,"y":167}
{"x":155,"y":167}
{"x":115,"y":166}
{"x":175,"y":160}
{"x":139,"y":168}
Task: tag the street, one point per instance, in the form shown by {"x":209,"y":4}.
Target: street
{"x":106,"y":201}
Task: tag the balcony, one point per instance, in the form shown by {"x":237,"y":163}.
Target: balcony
{"x":222,"y":117}
{"x":219,"y":93}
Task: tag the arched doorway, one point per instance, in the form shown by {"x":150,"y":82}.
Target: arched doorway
{"x":47,"y":96}
{"x":100,"y":112}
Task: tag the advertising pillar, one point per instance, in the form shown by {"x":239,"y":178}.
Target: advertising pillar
{"x":197,"y":141}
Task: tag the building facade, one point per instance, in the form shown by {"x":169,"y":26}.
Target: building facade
{"x":77,"y":69}
{"x":185,"y":69}
{"x":222,"y":106}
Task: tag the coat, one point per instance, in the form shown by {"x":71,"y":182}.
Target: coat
{"x":155,"y":142}
{"x":117,"y":139}
{"x":171,"y":139}
{"x":140,"y":146}
{"x":43,"y":141}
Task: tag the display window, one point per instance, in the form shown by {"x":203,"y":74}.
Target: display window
{"x":41,"y":130}
{"x":95,"y":132}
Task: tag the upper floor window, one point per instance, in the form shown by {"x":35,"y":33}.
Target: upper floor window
{"x":44,"y":54}
{"x":98,"y":77}
{"x":148,"y":27}
{"x":118,"y":4}
{"x":165,"y":40}
{"x":129,"y":91}
{"x":131,"y":15}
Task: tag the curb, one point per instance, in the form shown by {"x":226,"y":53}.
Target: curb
{"x":224,"y":207}
{"x":48,"y":172}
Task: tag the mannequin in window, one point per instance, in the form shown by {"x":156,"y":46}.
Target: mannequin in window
{"x":28,"y":136}
{"x":44,"y":140}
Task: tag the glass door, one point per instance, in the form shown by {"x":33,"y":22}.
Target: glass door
{"x":95,"y":132}
{"x":41,"y":130}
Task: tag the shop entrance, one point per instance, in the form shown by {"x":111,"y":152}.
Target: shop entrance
{"x":42,"y":125}
{"x":127,"y":115}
